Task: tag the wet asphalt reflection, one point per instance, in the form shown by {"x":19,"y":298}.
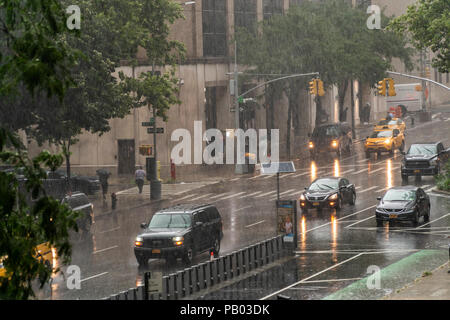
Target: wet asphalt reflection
{"x":334,"y":248}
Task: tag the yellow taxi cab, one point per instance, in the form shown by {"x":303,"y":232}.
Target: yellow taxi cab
{"x":394,"y":123}
{"x":384,"y":141}
{"x":44,"y":253}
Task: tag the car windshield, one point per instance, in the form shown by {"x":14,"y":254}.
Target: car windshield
{"x":399,"y":195}
{"x":422,"y":149}
{"x":324,"y":184}
{"x":171,"y":220}
{"x":381,"y":134}
{"x":383,"y":122}
{"x":326,"y":131}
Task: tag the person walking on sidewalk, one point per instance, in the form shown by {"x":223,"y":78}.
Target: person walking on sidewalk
{"x":103,"y":176}
{"x":139,"y":176}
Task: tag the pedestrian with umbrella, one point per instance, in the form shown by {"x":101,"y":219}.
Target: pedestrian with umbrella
{"x":103,"y":176}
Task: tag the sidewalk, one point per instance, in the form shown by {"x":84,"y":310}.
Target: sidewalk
{"x":434,"y":286}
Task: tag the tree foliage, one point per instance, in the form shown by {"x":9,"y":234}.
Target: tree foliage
{"x":427,"y":24}
{"x":23,"y":226}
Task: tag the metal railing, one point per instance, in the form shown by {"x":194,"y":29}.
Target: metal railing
{"x":189,"y":281}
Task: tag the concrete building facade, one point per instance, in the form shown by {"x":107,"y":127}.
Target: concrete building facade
{"x":207,"y":32}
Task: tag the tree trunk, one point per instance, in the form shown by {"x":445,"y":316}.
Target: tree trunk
{"x":66,"y":151}
{"x":288,"y":133}
{"x":342,"y":89}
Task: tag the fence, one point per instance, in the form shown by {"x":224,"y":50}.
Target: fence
{"x":205,"y":275}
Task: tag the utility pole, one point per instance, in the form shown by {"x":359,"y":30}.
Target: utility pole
{"x":239,"y":168}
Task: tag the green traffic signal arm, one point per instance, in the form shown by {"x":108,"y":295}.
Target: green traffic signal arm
{"x":277,"y":79}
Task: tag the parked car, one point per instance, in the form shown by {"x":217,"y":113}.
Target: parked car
{"x":336,"y":137}
{"x":181,"y":231}
{"x":384,"y":141}
{"x":78,"y":201}
{"x":424,"y":159}
{"x":330,"y":192}
{"x":407,"y":203}
{"x":394,"y":123}
{"x":85,"y":184}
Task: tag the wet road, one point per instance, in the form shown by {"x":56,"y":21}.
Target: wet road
{"x":335,"y":249}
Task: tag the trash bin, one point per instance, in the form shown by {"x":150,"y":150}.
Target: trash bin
{"x":155,"y":189}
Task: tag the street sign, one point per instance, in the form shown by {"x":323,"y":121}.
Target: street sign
{"x":158,"y":130}
{"x":146,"y":150}
{"x":150,"y":123}
{"x":277,"y":167}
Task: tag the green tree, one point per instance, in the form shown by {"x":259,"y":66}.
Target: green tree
{"x":23,"y":227}
{"x":427,"y":25}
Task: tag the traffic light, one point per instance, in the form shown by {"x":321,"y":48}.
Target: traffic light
{"x":382,"y":87}
{"x":313,"y":86}
{"x":391,"y":90}
{"x":320,"y":89}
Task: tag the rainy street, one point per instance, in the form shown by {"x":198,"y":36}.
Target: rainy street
{"x":334,"y":249}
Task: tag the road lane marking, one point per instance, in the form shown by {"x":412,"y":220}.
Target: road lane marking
{"x":102,"y":250}
{"x":97,"y":275}
{"x":359,"y":221}
{"x":312,"y":276}
{"x":243,"y":208}
{"x":200,"y":197}
{"x":350,"y":215}
{"x":254,"y":224}
{"x":363,"y":160}
{"x":379,"y":169}
{"x":358,"y":187}
{"x":265,"y":194}
{"x":255,"y":177}
{"x":300,"y":174}
{"x":368,"y":189}
{"x":286,"y":175}
{"x":220,"y":195}
{"x":233,"y":195}
{"x":383,"y":189}
{"x":235,"y":179}
{"x":361,"y":171}
{"x":188,"y":196}
{"x":448,"y":214}
{"x":250,"y":195}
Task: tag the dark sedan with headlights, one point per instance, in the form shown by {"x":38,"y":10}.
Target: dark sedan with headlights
{"x":335,"y":137}
{"x":331,"y":192}
{"x":407,"y":203}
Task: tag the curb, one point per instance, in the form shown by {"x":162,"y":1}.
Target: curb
{"x":447,"y":193}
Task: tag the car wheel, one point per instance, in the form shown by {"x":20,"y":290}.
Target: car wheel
{"x":339,"y":152}
{"x":142,"y":260}
{"x":391,"y":150}
{"x":216,"y":247}
{"x":305,"y":210}
{"x":353,"y":199}
{"x":402,"y":146}
{"x":404,"y":178}
{"x":188,"y":256}
{"x":379,"y":223}
{"x":367,"y":155}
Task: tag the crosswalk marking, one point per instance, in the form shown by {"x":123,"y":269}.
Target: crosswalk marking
{"x":219,"y":195}
{"x":250,"y":195}
{"x":255,"y":177}
{"x":360,"y":171}
{"x":379,"y":169}
{"x":233,"y":195}
{"x":265,"y":194}
{"x":383,"y":189}
{"x":188,"y":196}
{"x":201,"y":197}
{"x":300,"y":174}
{"x":286,"y":175}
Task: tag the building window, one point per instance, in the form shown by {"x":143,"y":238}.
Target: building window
{"x":214,"y":28}
{"x":271,"y":7}
{"x":245,"y":14}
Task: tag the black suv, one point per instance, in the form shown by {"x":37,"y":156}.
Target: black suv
{"x":424,"y":159}
{"x":336,"y":137}
{"x":181,"y":231}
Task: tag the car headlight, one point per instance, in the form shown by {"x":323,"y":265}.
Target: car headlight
{"x":387,"y":141}
{"x":302,"y":197}
{"x":139,"y":242}
{"x":311,"y":145}
{"x":178,"y":241}
{"x":433,"y":162}
{"x":333,"y":196}
{"x":334,"y":143}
